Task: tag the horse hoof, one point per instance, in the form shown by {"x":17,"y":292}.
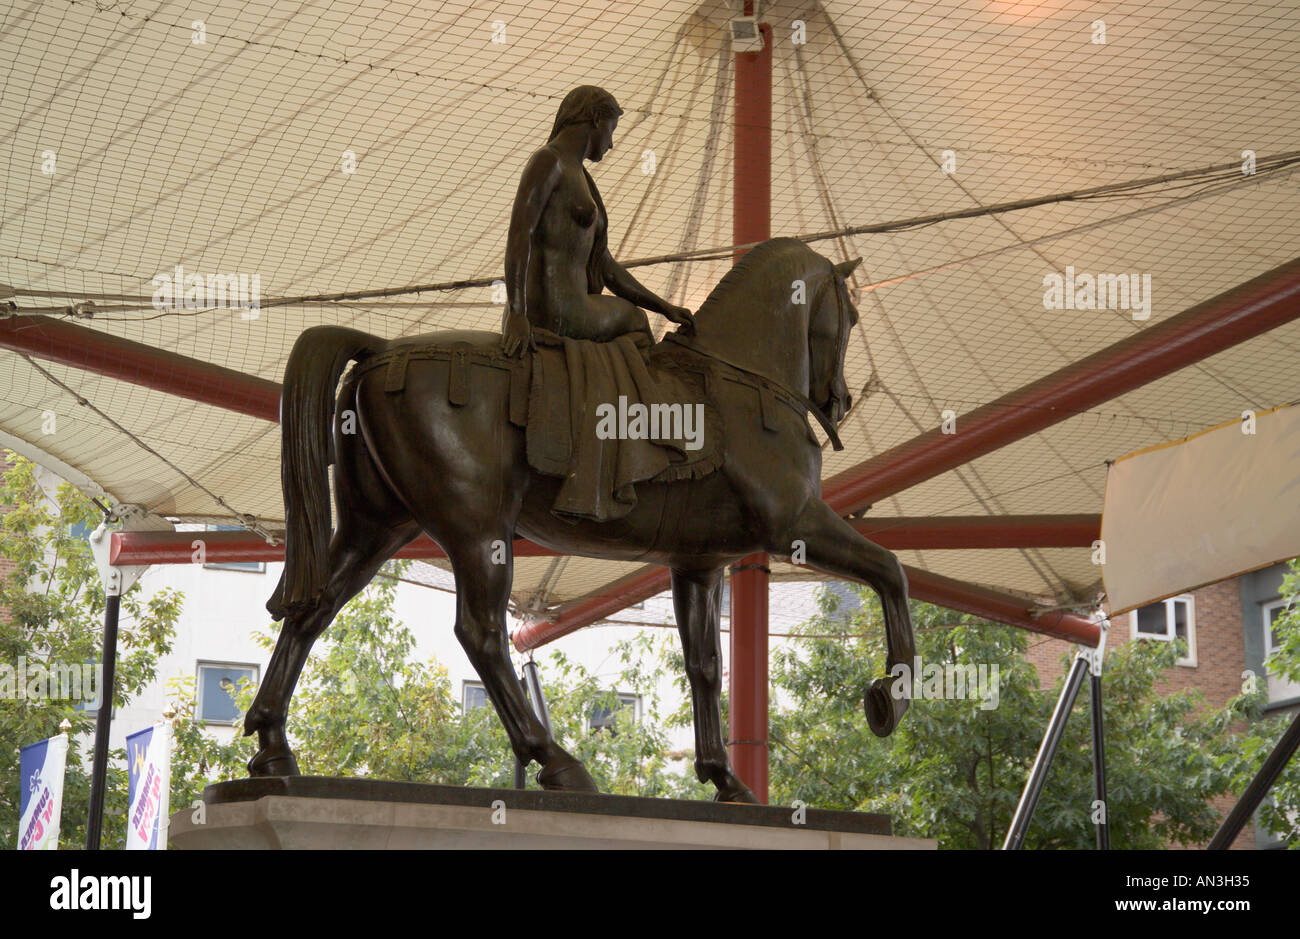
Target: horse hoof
{"x":884,"y":711}
{"x":738,"y":793}
{"x":568,"y":776}
{"x":282,"y":764}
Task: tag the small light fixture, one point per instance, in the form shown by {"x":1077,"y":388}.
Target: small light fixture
{"x":745,"y":35}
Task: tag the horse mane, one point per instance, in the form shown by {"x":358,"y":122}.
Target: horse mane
{"x":786,"y":258}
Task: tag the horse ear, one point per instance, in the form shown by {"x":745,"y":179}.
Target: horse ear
{"x":845,"y":268}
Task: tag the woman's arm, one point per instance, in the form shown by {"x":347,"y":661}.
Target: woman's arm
{"x":535,"y":187}
{"x":624,"y":285}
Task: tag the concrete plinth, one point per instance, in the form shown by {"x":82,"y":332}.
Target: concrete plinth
{"x":310,"y":812}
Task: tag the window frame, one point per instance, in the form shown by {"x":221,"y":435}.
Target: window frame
{"x":465,"y":687}
{"x":1267,"y":623}
{"x":201,"y":664}
{"x":627,"y":699}
{"x":1171,"y":626}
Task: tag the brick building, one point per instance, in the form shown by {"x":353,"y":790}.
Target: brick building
{"x":1228,"y":628}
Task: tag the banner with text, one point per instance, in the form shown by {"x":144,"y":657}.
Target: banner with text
{"x":40,"y":773}
{"x":149,"y":761}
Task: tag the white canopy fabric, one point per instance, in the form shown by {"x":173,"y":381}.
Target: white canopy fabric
{"x":1189,"y":513}
{"x":228,"y":156}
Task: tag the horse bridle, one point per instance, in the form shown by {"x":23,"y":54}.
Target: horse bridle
{"x":803,"y":400}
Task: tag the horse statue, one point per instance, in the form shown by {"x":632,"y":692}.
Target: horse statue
{"x":438,"y":447}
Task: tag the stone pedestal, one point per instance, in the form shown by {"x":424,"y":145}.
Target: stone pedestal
{"x":308,"y":812}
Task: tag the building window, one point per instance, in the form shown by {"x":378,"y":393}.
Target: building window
{"x":473,"y":695}
{"x":253,"y":567}
{"x":1166,"y":621}
{"x":218,"y":686}
{"x":1280,"y":690}
{"x":1272,"y":613}
{"x":604,"y":716}
{"x":92,"y":706}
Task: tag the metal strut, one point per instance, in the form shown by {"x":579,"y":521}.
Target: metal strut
{"x":1085,"y":661}
{"x":1258,"y":788}
{"x":532,"y":682}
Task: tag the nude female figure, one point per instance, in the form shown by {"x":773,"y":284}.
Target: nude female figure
{"x":557,"y":254}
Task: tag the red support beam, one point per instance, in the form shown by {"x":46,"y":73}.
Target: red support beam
{"x":1000,"y":607}
{"x":922,"y":585}
{"x":140,"y":364}
{"x":621,"y":593}
{"x":956,"y":531}
{"x":751,"y":222}
{"x":1232,"y":317}
{"x":981,"y":531}
{"x":747,"y":685}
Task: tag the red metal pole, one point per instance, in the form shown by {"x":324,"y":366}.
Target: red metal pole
{"x":940,"y":532}
{"x":140,"y":364}
{"x":999,"y":607}
{"x":751,"y":222}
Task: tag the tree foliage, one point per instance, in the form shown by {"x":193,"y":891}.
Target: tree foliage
{"x":55,"y":607}
{"x":955,"y":768}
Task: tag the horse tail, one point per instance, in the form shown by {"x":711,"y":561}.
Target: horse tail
{"x":306,"y":430}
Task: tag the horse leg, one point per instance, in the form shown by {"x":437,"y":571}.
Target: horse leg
{"x":357,"y":550}
{"x":832,"y":545}
{"x":697,"y":601}
{"x":484,"y":569}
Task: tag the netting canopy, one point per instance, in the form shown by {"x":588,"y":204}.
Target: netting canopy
{"x":331,"y":147}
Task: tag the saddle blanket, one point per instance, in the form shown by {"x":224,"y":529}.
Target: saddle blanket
{"x":604,"y":417}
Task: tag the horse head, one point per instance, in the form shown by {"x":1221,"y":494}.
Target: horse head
{"x":831,"y":319}
{"x":783,"y":311}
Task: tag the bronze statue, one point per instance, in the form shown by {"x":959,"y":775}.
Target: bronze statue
{"x":557,"y":254}
{"x":444,"y":445}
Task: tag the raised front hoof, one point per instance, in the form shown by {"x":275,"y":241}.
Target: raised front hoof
{"x":566,"y":775}
{"x":736,"y":791}
{"x":272,"y":764}
{"x":884,"y":711}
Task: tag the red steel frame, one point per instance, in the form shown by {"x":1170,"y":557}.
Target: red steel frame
{"x":751,"y":222}
{"x":901,"y":533}
{"x":139,"y":364}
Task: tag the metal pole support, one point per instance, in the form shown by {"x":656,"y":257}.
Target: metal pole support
{"x":116,"y":581}
{"x":1094,"y":659}
{"x":1043,"y":761}
{"x":520,"y":779}
{"x":532,"y":682}
{"x":1099,"y":765}
{"x":104,"y":719}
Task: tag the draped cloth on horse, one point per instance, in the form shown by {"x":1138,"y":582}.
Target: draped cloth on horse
{"x":605,"y":416}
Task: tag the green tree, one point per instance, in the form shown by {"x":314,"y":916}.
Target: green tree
{"x":955,"y":768}
{"x":365,"y":706}
{"x":1279,"y":815}
{"x":51,"y":613}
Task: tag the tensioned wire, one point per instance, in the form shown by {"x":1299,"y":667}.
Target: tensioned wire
{"x":1220,"y":178}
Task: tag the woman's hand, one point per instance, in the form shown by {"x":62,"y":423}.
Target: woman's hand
{"x":681,"y":316}
{"x":517,"y":335}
